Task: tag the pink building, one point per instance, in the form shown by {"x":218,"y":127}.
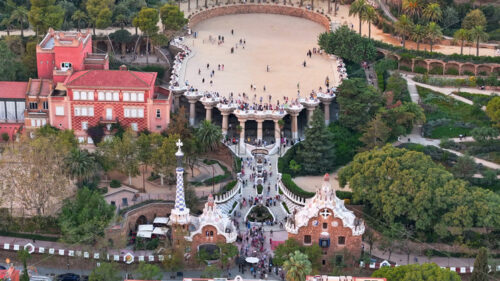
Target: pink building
{"x":86,"y":93}
{"x":12,"y":106}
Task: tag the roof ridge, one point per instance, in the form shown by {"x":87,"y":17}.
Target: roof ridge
{"x":88,"y":71}
{"x":132,"y":72}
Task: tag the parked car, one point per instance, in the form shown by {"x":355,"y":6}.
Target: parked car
{"x":68,"y":277}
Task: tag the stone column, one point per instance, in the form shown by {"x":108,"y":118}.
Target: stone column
{"x":225,"y":120}
{"x":310,"y":111}
{"x":259,"y":129}
{"x":242,"y":135}
{"x":277,"y":132}
{"x":192,"y":111}
{"x":326,"y":107}
{"x":208,"y":115}
{"x":295,"y":127}
{"x":177,"y":100}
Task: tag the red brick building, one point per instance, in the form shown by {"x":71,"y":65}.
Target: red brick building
{"x":325,"y":221}
{"x":83,"y":92}
{"x":12,"y":106}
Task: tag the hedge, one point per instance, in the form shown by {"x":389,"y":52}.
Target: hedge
{"x":260,"y":188}
{"x":124,"y":210}
{"x":294,"y":188}
{"x":452,"y":71}
{"x":234,"y":206}
{"x":228,"y":187}
{"x":286,"y":207}
{"x":29,"y":236}
{"x":343,"y":194}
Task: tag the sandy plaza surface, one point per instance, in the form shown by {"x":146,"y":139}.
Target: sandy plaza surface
{"x":280,"y":42}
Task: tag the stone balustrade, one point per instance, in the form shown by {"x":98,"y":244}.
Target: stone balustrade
{"x":301,"y":201}
{"x":230,"y":194}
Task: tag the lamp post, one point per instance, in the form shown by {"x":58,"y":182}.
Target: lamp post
{"x":213,"y":180}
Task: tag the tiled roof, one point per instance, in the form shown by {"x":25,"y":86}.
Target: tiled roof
{"x":111,"y":79}
{"x":40,"y":87}
{"x":13,"y":90}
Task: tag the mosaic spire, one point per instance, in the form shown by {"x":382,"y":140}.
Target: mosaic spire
{"x":180,"y":202}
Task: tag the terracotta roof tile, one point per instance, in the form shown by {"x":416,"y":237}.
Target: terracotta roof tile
{"x":13,"y":90}
{"x":111,"y":79}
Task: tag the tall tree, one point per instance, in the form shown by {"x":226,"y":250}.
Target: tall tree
{"x":164,"y":156}
{"x":174,"y":260}
{"x":144,"y":155}
{"x":369,"y":16}
{"x":316,"y":152}
{"x":84,"y":218}
{"x":465,"y":167}
{"x":478,"y":34}
{"x":481,"y":268}
{"x":474,"y":18}
{"x":376,"y":133}
{"x":297,"y":267}
{"x":432,"y":12}
{"x":404,"y":27}
{"x":208,"y":135}
{"x":434,"y":33}
{"x":24,"y":256}
{"x":44,"y":14}
{"x":146,"y":20}
{"x":148,"y":271}
{"x":105,"y":272}
{"x":493,"y":110}
{"x":413,"y":8}
{"x":104,"y":18}
{"x":462,"y":35}
{"x":79,"y":16}
{"x":33,"y":171}
{"x":123,"y":153}
{"x":172,"y":17}
{"x":20,"y":14}
{"x":358,"y":8}
{"x":95,"y":9}
{"x":418,"y":34}
{"x":80,"y":164}
{"x":10,"y":68}
{"x":358,"y":103}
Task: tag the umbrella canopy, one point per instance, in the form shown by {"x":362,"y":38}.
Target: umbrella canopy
{"x":252,"y":260}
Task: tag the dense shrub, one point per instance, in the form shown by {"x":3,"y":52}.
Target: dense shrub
{"x":420,"y":69}
{"x":260,"y":188}
{"x":405,"y":68}
{"x":468,"y":72}
{"x":294,"y":188}
{"x":452,"y":71}
{"x":228,"y":187}
{"x":436,"y":70}
{"x":115,"y":184}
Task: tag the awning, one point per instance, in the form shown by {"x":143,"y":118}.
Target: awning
{"x":252,"y":260}
{"x":160,"y":220}
{"x":144,"y":234}
{"x":160,"y":231}
{"x":146,"y":227}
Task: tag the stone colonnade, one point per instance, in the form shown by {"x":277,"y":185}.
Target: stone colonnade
{"x":259,"y":116}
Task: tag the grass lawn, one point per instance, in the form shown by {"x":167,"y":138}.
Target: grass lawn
{"x":482,"y":100}
{"x":438,"y":106}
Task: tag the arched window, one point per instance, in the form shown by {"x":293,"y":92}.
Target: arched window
{"x":211,"y":233}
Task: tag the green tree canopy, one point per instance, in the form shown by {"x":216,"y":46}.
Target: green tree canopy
{"x":401,"y":186}
{"x":376,"y":133}
{"x":85,"y":217}
{"x":44,"y":14}
{"x":481,"y":268}
{"x":146,"y":20}
{"x":172,"y":17}
{"x":358,"y":103}
{"x":104,"y":18}
{"x":474,"y":18}
{"x":297,"y":267}
{"x":122,"y":152}
{"x":493,"y":110}
{"x":348,"y":45}
{"x":209,"y":135}
{"x":416,"y":272}
{"x":95,"y":12}
{"x":11,"y":68}
{"x":106,"y":272}
{"x":148,"y":271}
{"x":317,"y":152}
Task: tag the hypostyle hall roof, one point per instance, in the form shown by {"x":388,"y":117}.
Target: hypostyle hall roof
{"x":111,"y":79}
{"x":13,"y":90}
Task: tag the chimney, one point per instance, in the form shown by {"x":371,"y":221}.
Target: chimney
{"x":123,"y":67}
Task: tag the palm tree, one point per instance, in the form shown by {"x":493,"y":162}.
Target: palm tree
{"x":209,"y":135}
{"x":335,"y":7}
{"x":418,"y":34}
{"x":7,"y":22}
{"x":404,"y":26}
{"x":297,"y":267}
{"x":463,"y":35}
{"x":433,"y":12}
{"x":434,"y":33}
{"x":80,"y":164}
{"x":79,"y":16}
{"x":412,"y":8}
{"x":369,"y":16}
{"x":20,"y":14}
{"x":358,"y":8}
{"x":478,"y":34}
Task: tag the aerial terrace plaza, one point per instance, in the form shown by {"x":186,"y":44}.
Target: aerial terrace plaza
{"x":246,"y":72}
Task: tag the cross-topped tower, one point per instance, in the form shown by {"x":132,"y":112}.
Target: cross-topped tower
{"x":180,"y":213}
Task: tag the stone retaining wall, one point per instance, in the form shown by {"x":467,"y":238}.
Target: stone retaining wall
{"x":261,"y":9}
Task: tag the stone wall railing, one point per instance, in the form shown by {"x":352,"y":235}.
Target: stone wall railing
{"x":301,"y":201}
{"x":230,"y":194}
{"x":278,"y":9}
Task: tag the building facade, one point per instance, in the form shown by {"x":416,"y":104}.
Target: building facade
{"x":325,"y":221}
{"x":12,"y":106}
